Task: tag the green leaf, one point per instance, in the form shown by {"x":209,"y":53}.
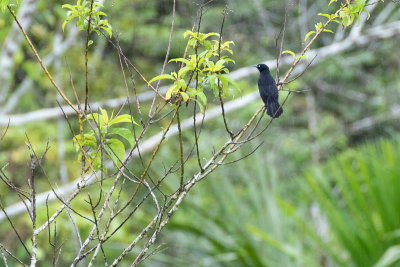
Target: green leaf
{"x":88,"y":140}
{"x":97,"y":118}
{"x":105,"y":115}
{"x":227,"y":59}
{"x":170,"y":91}
{"x":329,"y":16}
{"x":327,"y":30}
{"x":318,"y":26}
{"x":227,"y":44}
{"x":289,"y":52}
{"x":346,"y":21}
{"x":185,"y":96}
{"x":184,"y":60}
{"x":108,"y":30}
{"x":181,"y":84}
{"x":210,"y":34}
{"x":368,"y":14}
{"x":207,"y":45}
{"x":161,"y":77}
{"x":229,"y":50}
{"x":200,"y":106}
{"x":210,"y":64}
{"x":202,"y":54}
{"x":225,"y":70}
{"x":64,"y":23}
{"x":219,"y":65}
{"x":186,"y":33}
{"x":225,"y":83}
{"x":213,"y":85}
{"x":192,"y":42}
{"x":202,"y":97}
{"x":122,"y":118}
{"x":308,"y":35}
{"x":330,"y":2}
{"x":67,"y":6}
{"x":126,"y":134}
{"x":324,"y":15}
{"x":302,"y":56}
{"x":116,"y":149}
{"x":182,"y":71}
{"x":96,"y":162}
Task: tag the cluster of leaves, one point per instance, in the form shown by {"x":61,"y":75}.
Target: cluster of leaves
{"x":345,"y":17}
{"x":204,"y":68}
{"x":83,"y":11}
{"x":102,"y":136}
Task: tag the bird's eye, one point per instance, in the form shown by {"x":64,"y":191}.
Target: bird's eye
{"x":258,"y":65}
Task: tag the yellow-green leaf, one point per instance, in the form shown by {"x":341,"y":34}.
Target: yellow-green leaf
{"x":184,"y":96}
{"x":186,"y":33}
{"x":302,"y":56}
{"x":126,"y":134}
{"x":184,"y":60}
{"x":308,"y":35}
{"x":182,"y":71}
{"x":169,"y":92}
{"x":327,"y":30}
{"x":104,"y":115}
{"x":324,"y":15}
{"x":211,"y":34}
{"x":289,"y":52}
{"x":122,"y":118}
{"x":116,"y":149}
{"x":202,"y":97}
{"x":108,"y":30}
{"x":318,"y":26}
{"x":161,"y":77}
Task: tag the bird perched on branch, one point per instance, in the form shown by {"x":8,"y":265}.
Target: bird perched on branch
{"x":268,"y":91}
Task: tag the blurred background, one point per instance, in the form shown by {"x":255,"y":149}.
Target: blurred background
{"x":323,"y":189}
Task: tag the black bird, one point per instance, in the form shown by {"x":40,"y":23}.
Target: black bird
{"x":268,"y":91}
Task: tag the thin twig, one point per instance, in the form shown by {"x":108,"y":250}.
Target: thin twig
{"x":166,"y":56}
{"x":14,"y":229}
{"x":196,"y":136}
{"x":12,"y":255}
{"x":41,"y":62}
{"x":278,"y":58}
{"x":178,"y":121}
{"x":245,"y":156}
{"x":224,"y":13}
{"x":86,"y":57}
{"x":5,"y":131}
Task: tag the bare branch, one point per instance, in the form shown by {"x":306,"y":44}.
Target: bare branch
{"x":14,"y":229}
{"x":41,"y":62}
{"x":2,"y":248}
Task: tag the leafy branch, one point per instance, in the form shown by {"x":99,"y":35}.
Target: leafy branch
{"x":205,"y":67}
{"x":88,"y":13}
{"x":344,"y":16}
{"x":104,"y":135}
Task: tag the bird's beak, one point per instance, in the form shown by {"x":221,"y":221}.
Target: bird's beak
{"x":255,"y":66}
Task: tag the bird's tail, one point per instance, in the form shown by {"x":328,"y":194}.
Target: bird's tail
{"x":274,"y":109}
